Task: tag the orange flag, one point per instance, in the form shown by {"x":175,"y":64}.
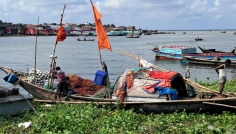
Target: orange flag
{"x":61,"y":34}
{"x":103,"y":41}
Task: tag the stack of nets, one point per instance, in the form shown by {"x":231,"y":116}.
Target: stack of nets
{"x":83,"y":86}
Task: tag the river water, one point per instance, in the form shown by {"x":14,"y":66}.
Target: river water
{"x":82,"y":57}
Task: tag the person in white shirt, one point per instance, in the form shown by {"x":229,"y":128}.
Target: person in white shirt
{"x":221,"y":71}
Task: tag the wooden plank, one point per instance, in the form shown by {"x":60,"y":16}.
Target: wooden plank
{"x":218,"y":104}
{"x":74,"y":102}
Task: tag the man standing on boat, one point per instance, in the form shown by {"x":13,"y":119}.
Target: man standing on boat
{"x":64,"y":87}
{"x":60,"y":74}
{"x":221,"y":71}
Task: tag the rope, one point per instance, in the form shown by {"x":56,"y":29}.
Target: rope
{"x":28,"y":102}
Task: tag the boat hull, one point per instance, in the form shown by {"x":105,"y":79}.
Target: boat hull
{"x":210,"y":50}
{"x":171,"y":56}
{"x":199,"y":106}
{"x":199,"y":61}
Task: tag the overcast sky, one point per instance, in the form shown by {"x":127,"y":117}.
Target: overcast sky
{"x":145,"y":14}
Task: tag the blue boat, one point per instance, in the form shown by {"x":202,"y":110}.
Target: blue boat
{"x":178,"y":52}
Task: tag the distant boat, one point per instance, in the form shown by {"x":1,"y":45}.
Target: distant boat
{"x":198,"y":39}
{"x":223,"y":32}
{"x":147,"y":33}
{"x":85,"y":39}
{"x":132,"y":36}
{"x":184,"y":32}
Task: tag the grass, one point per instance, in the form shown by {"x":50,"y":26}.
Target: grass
{"x":229,"y":85}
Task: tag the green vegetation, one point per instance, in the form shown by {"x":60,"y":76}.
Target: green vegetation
{"x":91,"y":119}
{"x":229,"y":85}
{"x":71,"y":118}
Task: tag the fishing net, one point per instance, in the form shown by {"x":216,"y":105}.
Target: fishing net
{"x":83,"y":86}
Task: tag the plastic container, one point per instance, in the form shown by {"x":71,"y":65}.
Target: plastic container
{"x":174,"y":96}
{"x":12,"y":79}
{"x":99,"y":77}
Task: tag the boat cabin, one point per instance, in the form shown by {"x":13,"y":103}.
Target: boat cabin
{"x":148,"y":86}
{"x":178,"y":49}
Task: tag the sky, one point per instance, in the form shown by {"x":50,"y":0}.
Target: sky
{"x":144,"y":14}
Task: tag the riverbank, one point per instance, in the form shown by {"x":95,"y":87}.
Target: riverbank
{"x":93,"y":119}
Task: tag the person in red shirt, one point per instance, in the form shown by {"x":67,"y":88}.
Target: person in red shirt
{"x":60,"y":74}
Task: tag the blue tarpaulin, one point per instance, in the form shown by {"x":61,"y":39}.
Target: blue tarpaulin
{"x":165,"y":90}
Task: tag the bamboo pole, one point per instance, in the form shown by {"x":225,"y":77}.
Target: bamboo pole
{"x":218,"y":104}
{"x":35,"y":51}
{"x":52,"y":65}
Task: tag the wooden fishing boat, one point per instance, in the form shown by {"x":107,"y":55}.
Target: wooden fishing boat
{"x":204,"y":61}
{"x":137,"y":98}
{"x":45,"y":94}
{"x":85,"y":39}
{"x":177,"y":52}
{"x":211,"y":50}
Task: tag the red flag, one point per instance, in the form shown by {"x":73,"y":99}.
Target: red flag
{"x":61,"y":33}
{"x":103,"y":41}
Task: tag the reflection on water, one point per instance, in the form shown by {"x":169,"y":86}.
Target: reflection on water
{"x":82,"y":58}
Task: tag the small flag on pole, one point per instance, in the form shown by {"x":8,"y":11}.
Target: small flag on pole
{"x":103,"y":41}
{"x":61,"y":34}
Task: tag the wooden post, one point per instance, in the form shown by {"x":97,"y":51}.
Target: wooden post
{"x":35,"y":52}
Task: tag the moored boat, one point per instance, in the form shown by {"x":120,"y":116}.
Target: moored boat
{"x":204,"y":61}
{"x":40,"y":92}
{"x":204,"y":50}
{"x":177,"y":52}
